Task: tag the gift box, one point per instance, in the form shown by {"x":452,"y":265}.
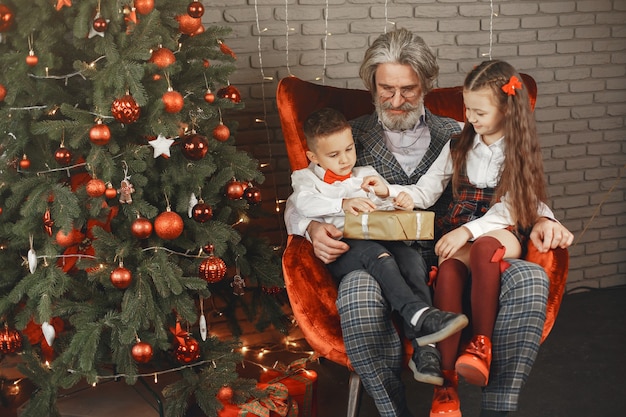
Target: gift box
{"x":302,"y":386}
{"x":391,"y":225}
{"x":277,"y":403}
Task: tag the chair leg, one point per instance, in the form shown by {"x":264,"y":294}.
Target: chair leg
{"x":354,"y":395}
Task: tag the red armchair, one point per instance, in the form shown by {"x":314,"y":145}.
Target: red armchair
{"x":312,"y":291}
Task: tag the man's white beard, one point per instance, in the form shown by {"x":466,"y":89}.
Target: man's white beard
{"x":399,"y":122}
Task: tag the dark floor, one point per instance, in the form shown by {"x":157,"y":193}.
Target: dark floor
{"x":579,"y":371}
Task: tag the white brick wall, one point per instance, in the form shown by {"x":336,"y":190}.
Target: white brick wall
{"x":576,"y":51}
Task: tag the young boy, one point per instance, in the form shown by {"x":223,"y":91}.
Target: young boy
{"x":330,"y":186}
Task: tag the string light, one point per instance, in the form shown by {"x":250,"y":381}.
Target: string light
{"x":325,"y":43}
{"x":287,"y":36}
{"x":491,"y":15}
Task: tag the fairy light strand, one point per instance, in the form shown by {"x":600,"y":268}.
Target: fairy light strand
{"x":326,"y":11}
{"x":287,"y":36}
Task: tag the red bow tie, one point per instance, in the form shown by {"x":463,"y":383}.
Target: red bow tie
{"x":330,"y":177}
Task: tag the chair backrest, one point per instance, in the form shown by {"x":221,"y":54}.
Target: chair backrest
{"x":297,"y":99}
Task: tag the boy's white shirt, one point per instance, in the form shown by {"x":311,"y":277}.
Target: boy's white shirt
{"x":484,"y":163}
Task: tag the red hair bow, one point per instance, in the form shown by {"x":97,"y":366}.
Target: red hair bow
{"x":514,"y":83}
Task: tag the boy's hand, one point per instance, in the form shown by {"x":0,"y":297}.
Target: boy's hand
{"x":404,"y":201}
{"x":358,"y":204}
{"x":376,"y":184}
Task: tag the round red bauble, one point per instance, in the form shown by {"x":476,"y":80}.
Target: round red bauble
{"x":189,"y":351}
{"x":252,"y":194}
{"x":144,"y":6}
{"x":209,"y":97}
{"x":194,"y":147}
{"x":10,"y":340}
{"x":125,"y":109}
{"x":24,"y":163}
{"x":168,"y":225}
{"x":142,"y":352}
{"x":65,"y":240}
{"x":31,"y":59}
{"x":162,"y":57}
{"x":201,"y":212}
{"x":3,"y":92}
{"x":225,"y":394}
{"x":195,"y":9}
{"x":198,"y":31}
{"x":110,"y":192}
{"x":63,"y":155}
{"x":212,"y":269}
{"x":121,"y":277}
{"x":188,"y":25}
{"x":173,"y":101}
{"x":234,"y":189}
{"x":100,"y":24}
{"x":95,"y":187}
{"x":141,"y":228}
{"x":100,"y":134}
{"x":230,"y":92}
{"x":6,"y":18}
{"x":221,"y":132}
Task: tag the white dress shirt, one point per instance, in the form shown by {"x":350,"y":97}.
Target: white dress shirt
{"x":484,"y":163}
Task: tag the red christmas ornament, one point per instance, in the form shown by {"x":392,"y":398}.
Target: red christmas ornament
{"x":63,"y":155}
{"x":24,"y":162}
{"x":141,"y":228}
{"x":225,"y":394}
{"x":100,"y":24}
{"x":198,"y":31}
{"x":121,"y":277}
{"x":31,"y":59}
{"x":10,"y":340}
{"x":144,"y":6}
{"x":201,"y":212}
{"x":142,"y":352}
{"x":100,"y":134}
{"x":194,"y":147}
{"x":212,"y":269}
{"x":206,"y":63}
{"x":95,"y":187}
{"x":48,"y":222}
{"x":234,"y":189}
{"x":110,"y":192}
{"x":6,"y":18}
{"x":162,"y":57}
{"x":168,"y":225}
{"x":252,"y":194}
{"x":173,"y":101}
{"x":74,"y":237}
{"x":221,"y":132}
{"x":3,"y":92}
{"x":226,"y":50}
{"x":195,"y":9}
{"x":188,"y":351}
{"x":188,"y":25}
{"x":230,"y":92}
{"x":125,"y":109}
{"x":209,"y":97}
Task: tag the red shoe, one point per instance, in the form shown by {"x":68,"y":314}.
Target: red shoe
{"x":474,"y":363}
{"x":446,"y":401}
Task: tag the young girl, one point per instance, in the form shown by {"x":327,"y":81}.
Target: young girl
{"x":496,"y":170}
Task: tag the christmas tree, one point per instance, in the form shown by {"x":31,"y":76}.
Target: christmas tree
{"x":123,"y":199}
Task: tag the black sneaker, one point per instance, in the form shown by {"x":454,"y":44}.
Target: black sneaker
{"x":426,"y":365}
{"x":435,"y":325}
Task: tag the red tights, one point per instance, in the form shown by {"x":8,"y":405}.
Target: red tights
{"x":484,"y":295}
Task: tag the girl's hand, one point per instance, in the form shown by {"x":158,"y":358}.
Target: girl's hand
{"x":404,"y":201}
{"x":376,"y":184}
{"x":452,"y":241}
{"x":358,"y":204}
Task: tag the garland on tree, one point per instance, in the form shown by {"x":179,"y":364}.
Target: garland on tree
{"x":122,"y":196}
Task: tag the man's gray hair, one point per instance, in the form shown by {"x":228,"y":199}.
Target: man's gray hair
{"x":400,"y":46}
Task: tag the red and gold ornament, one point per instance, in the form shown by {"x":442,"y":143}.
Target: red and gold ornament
{"x":168,"y":225}
{"x":213,"y":268}
{"x":142,"y":352}
{"x":162,"y":57}
{"x":63,"y":155}
{"x":110,"y":192}
{"x":173,"y":101}
{"x":195,"y":9}
{"x":252,"y":194}
{"x":141,"y":228}
{"x":226,"y":50}
{"x":144,"y":6}
{"x":194,"y":146}
{"x":125,"y":109}
{"x":188,"y":25}
{"x":221,"y":132}
{"x":95,"y":187}
{"x":209,"y":97}
{"x":234,"y":189}
{"x":10,"y":340}
{"x":121,"y":277}
{"x":100,"y":24}
{"x":99,"y":134}
{"x":3,"y":92}
{"x":225,"y":394}
{"x":73,"y":237}
{"x":24,"y":163}
{"x":230,"y":92}
{"x":6,"y":18}
{"x":31,"y":59}
{"x":187,"y":348}
{"x":202,"y":212}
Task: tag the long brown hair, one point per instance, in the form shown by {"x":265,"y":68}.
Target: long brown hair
{"x":521,"y":177}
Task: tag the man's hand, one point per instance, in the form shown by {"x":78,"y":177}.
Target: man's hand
{"x":452,"y":241}
{"x":355,"y":205}
{"x":548,"y":234}
{"x":404,"y":201}
{"x":325,"y":244}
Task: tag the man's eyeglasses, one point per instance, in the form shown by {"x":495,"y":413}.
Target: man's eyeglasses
{"x":407,"y":93}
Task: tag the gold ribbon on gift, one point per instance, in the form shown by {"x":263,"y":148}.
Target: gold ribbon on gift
{"x":277,"y":400}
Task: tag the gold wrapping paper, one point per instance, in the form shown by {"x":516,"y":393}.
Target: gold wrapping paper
{"x":391,"y":225}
